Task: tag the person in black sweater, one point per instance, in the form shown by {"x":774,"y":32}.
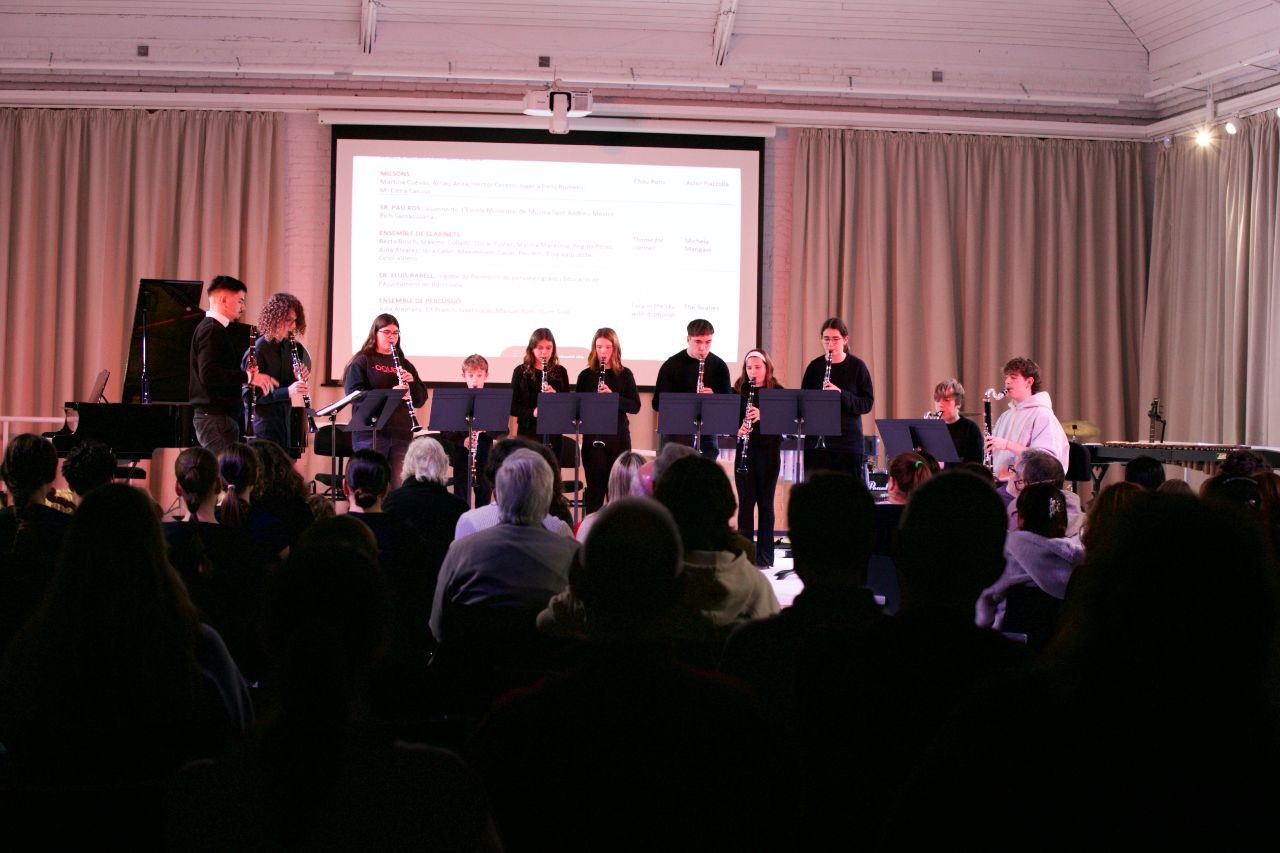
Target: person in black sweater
{"x":679,"y":374}
{"x":216,"y":376}
{"x":965,"y":434}
{"x":372,"y":368}
{"x":281,"y":316}
{"x":757,"y":479}
{"x":475,"y":372}
{"x":540,"y":372}
{"x":849,"y":376}
{"x":605,"y":374}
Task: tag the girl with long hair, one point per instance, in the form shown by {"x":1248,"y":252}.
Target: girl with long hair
{"x":759,"y":481}
{"x":374,"y":368}
{"x":605,"y":374}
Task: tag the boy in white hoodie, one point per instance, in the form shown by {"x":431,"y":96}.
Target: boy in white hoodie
{"x":1029,"y":421}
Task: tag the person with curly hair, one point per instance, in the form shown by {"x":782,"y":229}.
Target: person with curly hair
{"x":280,"y":321}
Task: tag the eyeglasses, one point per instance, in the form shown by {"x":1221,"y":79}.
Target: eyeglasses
{"x":827,"y":340}
{"x":1020,"y":483}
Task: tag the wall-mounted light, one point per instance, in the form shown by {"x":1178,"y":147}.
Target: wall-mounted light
{"x":1231,"y":127}
{"x":1203,"y":137}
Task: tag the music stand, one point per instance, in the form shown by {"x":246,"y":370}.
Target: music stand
{"x":799,"y":412}
{"x":331,"y":412}
{"x":581,"y":411}
{"x":467,"y":409}
{"x":696,"y":414}
{"x":903,"y":435}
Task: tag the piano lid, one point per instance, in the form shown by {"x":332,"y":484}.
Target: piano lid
{"x":173,"y":312}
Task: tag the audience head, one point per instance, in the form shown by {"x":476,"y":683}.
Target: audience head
{"x":278,"y":479}
{"x":669,"y":453}
{"x":1244,"y":462}
{"x":1164,"y":605}
{"x":425,"y":461}
{"x":368,"y":478}
{"x":950,"y":543}
{"x":1106,"y":513}
{"x":906,"y":472}
{"x":87,"y":466}
{"x":699,"y":496}
{"x":624,"y":477}
{"x":196,"y":474}
{"x":523,"y":488}
{"x":30,"y":467}
{"x":325,"y":616}
{"x":1042,"y":510}
{"x":504,"y":448}
{"x":830,"y":516}
{"x":238,"y":470}
{"x":629,"y":571}
{"x":1176,"y":487}
{"x":1034,"y":467}
{"x":1145,"y":471}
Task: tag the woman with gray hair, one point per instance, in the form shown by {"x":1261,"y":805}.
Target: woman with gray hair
{"x":624,"y":481}
{"x":424,"y":501}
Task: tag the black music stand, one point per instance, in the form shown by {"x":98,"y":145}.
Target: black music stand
{"x":903,"y":435}
{"x":696,"y":414}
{"x":799,"y":412}
{"x":579,"y":411}
{"x":331,"y":412}
{"x":467,"y":409}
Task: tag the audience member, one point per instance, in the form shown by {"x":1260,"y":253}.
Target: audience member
{"x":517,"y":564}
{"x":424,"y":501}
{"x":1181,"y":488}
{"x":722,"y":586}
{"x":1039,"y":466}
{"x":320,"y":773}
{"x":1244,"y":462}
{"x":1039,"y":560}
{"x":652,"y":754}
{"x":1105,"y":517}
{"x":115,"y":679}
{"x":1145,"y":471}
{"x":239,"y":471}
{"x":484,"y":517}
{"x":30,"y":532}
{"x":624,"y":481}
{"x":88,"y":465}
{"x":281,"y":491}
{"x":1147,"y":725}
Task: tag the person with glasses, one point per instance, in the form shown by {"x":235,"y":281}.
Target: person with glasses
{"x":948,"y":395}
{"x":374,"y":368}
{"x":1037,"y":468}
{"x":849,"y":376}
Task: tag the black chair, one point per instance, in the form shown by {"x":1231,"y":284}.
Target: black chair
{"x":324,"y":445}
{"x":1079,"y":464}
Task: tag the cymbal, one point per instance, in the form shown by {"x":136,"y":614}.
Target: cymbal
{"x":1077,"y":428}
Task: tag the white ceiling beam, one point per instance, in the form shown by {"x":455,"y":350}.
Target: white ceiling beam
{"x":1196,"y":81}
{"x":724,"y":29}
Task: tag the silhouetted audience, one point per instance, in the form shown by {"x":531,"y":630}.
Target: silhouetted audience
{"x":1145,"y":471}
{"x":281,"y":491}
{"x":239,"y":472}
{"x":320,"y":772}
{"x":424,"y":500}
{"x":1176,"y":487}
{"x":1107,"y":510}
{"x":1148,"y":724}
{"x":88,"y":465}
{"x":484,"y":517}
{"x":1244,"y":462}
{"x":30,"y":532}
{"x":631,"y":749}
{"x":721,"y":585}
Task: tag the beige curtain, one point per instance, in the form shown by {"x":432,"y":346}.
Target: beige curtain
{"x":946,"y":255}
{"x":91,"y":201}
{"x":1211,"y":340}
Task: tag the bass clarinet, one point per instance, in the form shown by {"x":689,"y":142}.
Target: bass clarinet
{"x":744,"y":441}
{"x":252,"y":362}
{"x":297,"y":373}
{"x":414,"y":426}
{"x":988,"y":395}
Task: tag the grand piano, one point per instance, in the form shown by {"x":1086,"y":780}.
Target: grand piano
{"x":154,"y":412}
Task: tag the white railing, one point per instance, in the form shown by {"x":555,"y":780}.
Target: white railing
{"x":6,"y":420}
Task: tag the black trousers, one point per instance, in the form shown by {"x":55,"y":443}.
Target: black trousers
{"x":756,"y":487}
{"x":459,"y":459}
{"x":597,"y":462}
{"x":821,"y":459}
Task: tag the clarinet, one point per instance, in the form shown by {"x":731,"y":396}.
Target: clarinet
{"x":543,"y":363}
{"x":252,"y":362}
{"x":601,"y":388}
{"x":702,"y":366}
{"x":744,"y":441}
{"x":414,"y":426}
{"x":471,"y":456}
{"x":988,"y":395}
{"x":297,"y":373}
{"x":826,"y":376}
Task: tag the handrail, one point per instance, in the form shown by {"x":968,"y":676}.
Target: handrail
{"x":5,"y":420}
